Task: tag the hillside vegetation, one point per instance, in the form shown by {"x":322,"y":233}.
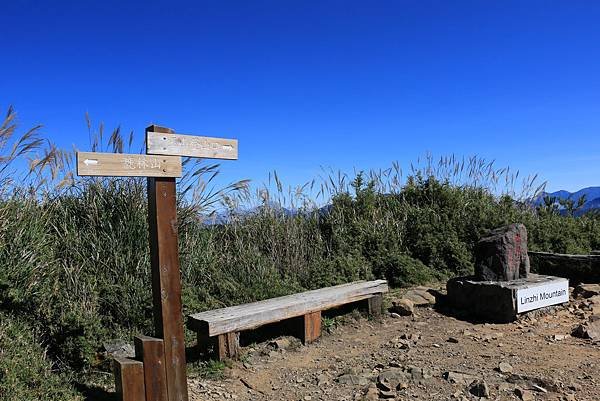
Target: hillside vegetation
{"x":75,"y":269}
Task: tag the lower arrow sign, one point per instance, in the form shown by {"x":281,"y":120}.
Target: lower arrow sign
{"x":127,"y":165}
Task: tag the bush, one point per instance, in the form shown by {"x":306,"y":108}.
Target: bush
{"x":25,"y":371}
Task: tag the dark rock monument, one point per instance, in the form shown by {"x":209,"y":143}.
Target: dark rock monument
{"x":502,"y":286}
{"x":502,"y":255}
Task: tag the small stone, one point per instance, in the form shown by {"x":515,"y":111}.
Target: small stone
{"x":119,"y":348}
{"x":420,"y":296}
{"x":395,"y":315}
{"x":281,"y":343}
{"x":353,"y":379}
{"x":589,"y":330}
{"x":479,"y":388}
{"x":559,"y":337}
{"x":403,"y":307}
{"x":458,"y":378}
{"x":505,"y":367}
{"x":322,"y":380}
{"x":524,"y":395}
{"x":372,"y":393}
{"x":387,"y":395}
{"x":391,"y":379}
{"x":587,"y":290}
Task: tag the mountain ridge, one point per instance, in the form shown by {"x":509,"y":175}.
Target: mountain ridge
{"x":592,"y":199}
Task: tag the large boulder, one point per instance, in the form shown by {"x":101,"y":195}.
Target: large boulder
{"x":502,"y":255}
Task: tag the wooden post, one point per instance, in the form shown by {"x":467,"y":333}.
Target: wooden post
{"x":166,"y":281}
{"x":129,"y":379}
{"x":152,"y":352}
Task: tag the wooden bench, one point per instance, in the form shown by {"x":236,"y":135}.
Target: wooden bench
{"x":220,"y":328}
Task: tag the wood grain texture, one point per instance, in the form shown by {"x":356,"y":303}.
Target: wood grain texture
{"x":312,"y":327}
{"x":375,"y":305}
{"x":190,"y":145}
{"x":227,"y":345}
{"x":152,"y":352}
{"x":129,"y":379}
{"x":127,"y":165}
{"x":166,"y":281}
{"x":248,"y":316}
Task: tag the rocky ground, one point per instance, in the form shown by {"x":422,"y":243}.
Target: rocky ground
{"x":428,"y":355}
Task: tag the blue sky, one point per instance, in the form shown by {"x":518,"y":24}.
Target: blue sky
{"x":304,"y":84}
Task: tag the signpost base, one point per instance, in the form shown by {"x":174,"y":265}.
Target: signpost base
{"x":503,"y":301}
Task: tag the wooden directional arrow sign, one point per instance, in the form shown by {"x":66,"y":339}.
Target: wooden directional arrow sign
{"x":127,"y":165}
{"x":192,"y":146}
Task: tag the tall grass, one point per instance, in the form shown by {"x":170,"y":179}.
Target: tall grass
{"x":75,"y":262}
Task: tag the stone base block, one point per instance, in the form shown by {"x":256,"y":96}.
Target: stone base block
{"x":503,"y":301}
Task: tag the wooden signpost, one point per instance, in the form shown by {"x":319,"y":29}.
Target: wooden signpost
{"x":159,"y":371}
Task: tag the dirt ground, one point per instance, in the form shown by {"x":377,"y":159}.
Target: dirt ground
{"x":428,"y":356}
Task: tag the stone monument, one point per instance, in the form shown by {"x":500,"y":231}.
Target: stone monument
{"x":503,"y":287}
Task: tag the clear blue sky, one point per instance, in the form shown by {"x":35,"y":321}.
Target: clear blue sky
{"x":303,"y":84}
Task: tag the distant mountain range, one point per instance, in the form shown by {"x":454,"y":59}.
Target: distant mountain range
{"x":592,"y":203}
{"x":592,"y":199}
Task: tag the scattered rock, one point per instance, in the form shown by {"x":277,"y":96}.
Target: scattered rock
{"x":586,"y":290}
{"x":479,"y":388}
{"x":281,"y":343}
{"x":420,"y":296}
{"x":524,"y":395}
{"x":589,"y":330}
{"x":119,"y":348}
{"x":506,"y":387}
{"x":505,"y":367}
{"x":387,"y":395}
{"x":531,"y":382}
{"x":355,"y":379}
{"x":403,"y":307}
{"x":559,"y":337}
{"x":393,"y":378}
{"x":453,"y":340}
{"x":458,"y":378}
{"x":372,"y":393}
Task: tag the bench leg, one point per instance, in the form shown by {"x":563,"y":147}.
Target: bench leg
{"x":228,"y":345}
{"x":375,"y":305}
{"x":312,"y":327}
{"x":219,"y":347}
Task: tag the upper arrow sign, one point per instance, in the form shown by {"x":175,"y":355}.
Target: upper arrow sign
{"x":192,"y":146}
{"x":127,"y":165}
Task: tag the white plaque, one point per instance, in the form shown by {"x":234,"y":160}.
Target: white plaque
{"x":545,"y":294}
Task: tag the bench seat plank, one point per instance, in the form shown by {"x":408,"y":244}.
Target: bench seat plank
{"x":248,"y":316}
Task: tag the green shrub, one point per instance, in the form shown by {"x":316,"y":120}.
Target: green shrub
{"x":26,"y":373}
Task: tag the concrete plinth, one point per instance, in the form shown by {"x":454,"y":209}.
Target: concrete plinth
{"x":503,"y":301}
